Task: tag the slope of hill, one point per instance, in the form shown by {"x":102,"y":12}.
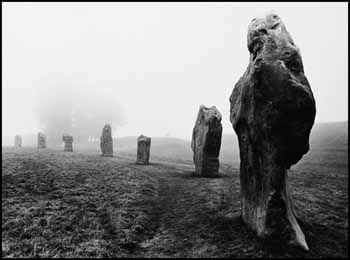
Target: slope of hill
{"x":330,"y":135}
{"x":328,"y":149}
{"x":328,"y":146}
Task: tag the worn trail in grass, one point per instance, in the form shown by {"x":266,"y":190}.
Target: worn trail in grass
{"x":79,"y":205}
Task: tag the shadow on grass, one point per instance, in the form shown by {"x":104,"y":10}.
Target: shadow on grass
{"x":233,"y":238}
{"x":145,"y":165}
{"x":194,"y":175}
{"x":324,"y":240}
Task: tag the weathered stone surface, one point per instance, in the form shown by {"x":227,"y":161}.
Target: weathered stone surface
{"x":41,"y":140}
{"x":18,"y":141}
{"x":107,"y":141}
{"x":272,"y":113}
{"x":68,"y":142}
{"x":206,"y":141}
{"x":143,"y":149}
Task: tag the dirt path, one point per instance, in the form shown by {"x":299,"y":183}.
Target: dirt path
{"x":185,"y":204}
{"x":196,"y":217}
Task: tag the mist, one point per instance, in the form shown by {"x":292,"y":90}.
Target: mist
{"x":147,"y":67}
{"x":75,"y":106}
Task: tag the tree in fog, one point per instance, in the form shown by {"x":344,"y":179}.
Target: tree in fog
{"x":92,"y":113}
{"x":67,"y":107}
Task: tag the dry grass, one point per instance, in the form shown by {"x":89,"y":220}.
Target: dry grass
{"x":57,"y":204}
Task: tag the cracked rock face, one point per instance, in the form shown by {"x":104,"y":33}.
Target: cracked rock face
{"x":106,"y":139}
{"x":41,"y":140}
{"x":143,"y":149}
{"x":272,"y":112}
{"x":206,"y":141}
{"x":18,"y":141}
{"x":68,"y":142}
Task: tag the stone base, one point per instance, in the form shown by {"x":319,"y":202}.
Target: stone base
{"x":107,"y":155}
{"x":210,"y":168}
{"x":142,"y":162}
{"x":274,"y":219}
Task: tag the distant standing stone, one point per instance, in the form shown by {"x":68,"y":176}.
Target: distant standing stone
{"x":18,"y":141}
{"x":206,"y":141}
{"x":41,"y":140}
{"x":107,"y":141}
{"x":68,"y":142}
{"x":143,"y":149}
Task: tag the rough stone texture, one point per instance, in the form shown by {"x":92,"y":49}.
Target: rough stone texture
{"x":41,"y":140}
{"x":107,"y":141}
{"x":272,"y":113}
{"x":18,"y":141}
{"x":143,"y":149}
{"x":206,"y":141}
{"x":68,"y":142}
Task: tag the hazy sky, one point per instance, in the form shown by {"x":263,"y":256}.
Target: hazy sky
{"x":160,"y":61}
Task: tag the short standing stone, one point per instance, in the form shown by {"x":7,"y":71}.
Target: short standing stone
{"x":143,"y":149}
{"x":68,"y":142}
{"x":206,"y":141}
{"x":107,"y":141}
{"x":41,"y":140}
{"x":18,"y":141}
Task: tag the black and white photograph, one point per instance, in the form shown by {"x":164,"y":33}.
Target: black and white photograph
{"x":174,"y":130}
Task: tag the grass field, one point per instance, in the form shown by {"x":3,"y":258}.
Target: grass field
{"x":61,"y":204}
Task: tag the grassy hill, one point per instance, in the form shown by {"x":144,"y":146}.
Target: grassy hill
{"x":324,"y":136}
{"x":328,"y":145}
{"x":328,"y":149}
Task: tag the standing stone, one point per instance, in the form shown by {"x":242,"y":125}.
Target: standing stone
{"x":68,"y":142}
{"x":206,"y":141}
{"x":18,"y":141}
{"x":106,"y":141}
{"x":143,"y":149}
{"x":272,"y":113}
{"x":41,"y":140}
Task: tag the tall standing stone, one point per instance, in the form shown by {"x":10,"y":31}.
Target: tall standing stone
{"x":272,"y":113}
{"x":41,"y":140}
{"x":206,"y":141}
{"x":18,"y":141}
{"x":143,"y":149}
{"x":68,"y":142}
{"x":107,"y":141}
